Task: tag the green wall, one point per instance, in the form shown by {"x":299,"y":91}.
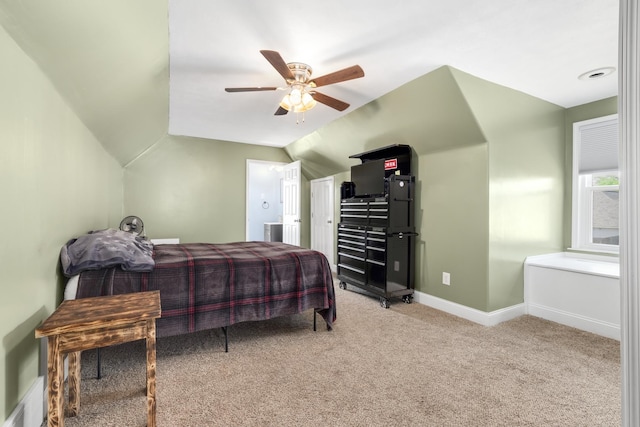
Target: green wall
{"x":56,"y":182}
{"x":452,"y":196}
{"x":195,"y":189}
{"x":526,"y":172}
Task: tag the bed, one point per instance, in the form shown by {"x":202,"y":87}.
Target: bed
{"x":202,"y":285}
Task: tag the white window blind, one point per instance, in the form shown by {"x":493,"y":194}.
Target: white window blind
{"x":598,"y":146}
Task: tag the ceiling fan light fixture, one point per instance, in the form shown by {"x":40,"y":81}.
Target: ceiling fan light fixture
{"x":306,"y":103}
{"x":286,"y":102}
{"x":298,"y":101}
{"x":295,"y":96}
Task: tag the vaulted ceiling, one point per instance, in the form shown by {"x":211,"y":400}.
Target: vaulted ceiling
{"x":135,"y":71}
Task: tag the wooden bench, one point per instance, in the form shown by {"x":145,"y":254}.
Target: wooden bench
{"x":88,"y":323}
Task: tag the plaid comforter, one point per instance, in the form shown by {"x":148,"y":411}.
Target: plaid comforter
{"x":204,"y":286}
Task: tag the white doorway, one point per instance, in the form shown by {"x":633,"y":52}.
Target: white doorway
{"x":264,"y":197}
{"x":322,"y":217}
{"x":273,"y":197}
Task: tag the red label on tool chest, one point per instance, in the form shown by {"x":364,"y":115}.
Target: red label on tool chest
{"x":390,"y":164}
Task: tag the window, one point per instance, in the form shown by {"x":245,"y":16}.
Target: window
{"x":595,"y":213}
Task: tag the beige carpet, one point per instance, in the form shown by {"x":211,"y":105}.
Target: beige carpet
{"x":406,"y":366}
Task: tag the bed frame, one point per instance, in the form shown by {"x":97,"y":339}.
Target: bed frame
{"x":205,"y":286}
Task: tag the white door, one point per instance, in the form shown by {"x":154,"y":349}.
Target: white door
{"x":322,"y":213}
{"x":291,"y":204}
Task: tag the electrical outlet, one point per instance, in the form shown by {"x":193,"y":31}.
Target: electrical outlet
{"x":446,"y":278}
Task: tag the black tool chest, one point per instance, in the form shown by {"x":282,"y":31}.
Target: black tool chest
{"x":376,"y":233}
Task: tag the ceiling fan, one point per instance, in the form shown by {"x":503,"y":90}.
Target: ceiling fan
{"x":302,"y":95}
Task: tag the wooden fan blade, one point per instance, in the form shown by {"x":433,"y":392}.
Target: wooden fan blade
{"x":329,"y":101}
{"x":281,"y":111}
{"x":278,"y":63}
{"x":249,"y":89}
{"x":349,"y":73}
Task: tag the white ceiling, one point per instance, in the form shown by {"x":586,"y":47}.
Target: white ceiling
{"x":134,"y":71}
{"x":538,"y":47}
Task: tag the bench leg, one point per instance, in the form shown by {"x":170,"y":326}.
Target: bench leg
{"x":55,"y":383}
{"x":151,"y":373}
{"x":74,"y":384}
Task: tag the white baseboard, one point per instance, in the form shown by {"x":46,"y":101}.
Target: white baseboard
{"x":30,"y":412}
{"x":492,"y":318}
{"x":577,"y":321}
{"x":484,"y":318}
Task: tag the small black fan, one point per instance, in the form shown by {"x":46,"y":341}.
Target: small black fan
{"x":132,"y":224}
